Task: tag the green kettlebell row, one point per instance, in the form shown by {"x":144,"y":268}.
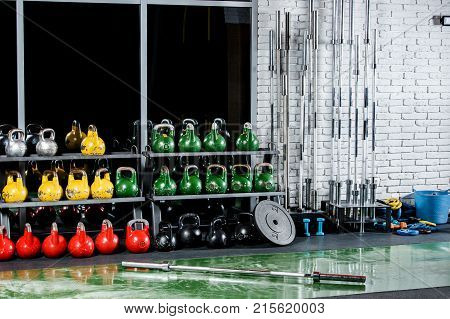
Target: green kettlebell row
{"x":216,"y":181}
{"x":163,"y":139}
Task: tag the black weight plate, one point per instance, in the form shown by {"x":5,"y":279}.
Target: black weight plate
{"x":274,"y":223}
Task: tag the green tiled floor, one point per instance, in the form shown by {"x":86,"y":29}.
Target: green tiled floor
{"x":387,"y":268}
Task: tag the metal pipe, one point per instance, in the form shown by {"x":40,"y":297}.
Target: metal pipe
{"x":364,"y":180}
{"x":278,"y":75}
{"x":350,"y":99}
{"x":339,"y":107}
{"x":332,"y":181}
{"x":315,"y":110}
{"x":373,"y":184}
{"x":355,"y":163}
{"x":316,"y":276}
{"x":308,"y":180}
{"x":287,"y":34}
{"x":271,"y":69}
{"x":302,"y":119}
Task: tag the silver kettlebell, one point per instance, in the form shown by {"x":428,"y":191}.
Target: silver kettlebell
{"x":16,"y":146}
{"x":46,"y":146}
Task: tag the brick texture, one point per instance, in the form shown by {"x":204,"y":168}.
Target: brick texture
{"x":413,"y":111}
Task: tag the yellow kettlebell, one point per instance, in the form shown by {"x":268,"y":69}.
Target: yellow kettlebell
{"x":50,"y":190}
{"x":77,"y":189}
{"x":102,"y":188}
{"x":14,"y":190}
{"x":92,"y":143}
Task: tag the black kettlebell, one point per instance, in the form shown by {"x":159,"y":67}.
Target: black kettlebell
{"x":4,"y":130}
{"x":217,"y":237}
{"x":189,"y":234}
{"x":32,"y":139}
{"x":166,"y":239}
{"x":245,"y":232}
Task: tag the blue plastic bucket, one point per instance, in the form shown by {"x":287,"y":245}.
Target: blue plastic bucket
{"x":432,"y":206}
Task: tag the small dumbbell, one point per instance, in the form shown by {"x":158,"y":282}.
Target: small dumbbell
{"x":319,"y":227}
{"x":306,"y":226}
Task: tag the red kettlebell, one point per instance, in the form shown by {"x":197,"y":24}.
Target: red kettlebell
{"x":7,"y":247}
{"x":54,"y":245}
{"x":137,"y":240}
{"x":28,"y":246}
{"x":106,"y":242}
{"x":81,"y":244}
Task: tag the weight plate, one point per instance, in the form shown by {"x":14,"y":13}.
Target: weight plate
{"x":275,"y":223}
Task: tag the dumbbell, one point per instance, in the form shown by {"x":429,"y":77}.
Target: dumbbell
{"x":319,"y":227}
{"x":306,"y":222}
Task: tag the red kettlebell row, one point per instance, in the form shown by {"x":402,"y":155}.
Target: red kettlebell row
{"x":80,"y":245}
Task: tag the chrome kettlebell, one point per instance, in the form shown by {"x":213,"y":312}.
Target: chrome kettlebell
{"x":46,"y":146}
{"x":16,"y":146}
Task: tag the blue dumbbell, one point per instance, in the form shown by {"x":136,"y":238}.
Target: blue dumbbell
{"x":306,"y":225}
{"x":319,"y":227}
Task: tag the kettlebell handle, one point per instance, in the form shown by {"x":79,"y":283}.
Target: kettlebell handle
{"x":164,"y":125}
{"x":259,"y":167}
{"x":48,"y":173}
{"x":54,"y":227}
{"x":135,"y":221}
{"x":77,"y":171}
{"x":220,"y":121}
{"x":20,"y":135}
{"x":92,"y":128}
{"x":163,"y":225}
{"x":222,"y":167}
{"x":193,"y":167}
{"x":107,"y":223}
{"x":32,"y":126}
{"x":129,"y":169}
{"x":166,"y":121}
{"x":28,"y":228}
{"x":12,"y":174}
{"x":47,"y":130}
{"x":57,"y":164}
{"x":195,"y":217}
{"x":248,"y":125}
{"x":3,"y":231}
{"x":76,"y":125}
{"x":80,"y":227}
{"x":220,"y":219}
{"x":194,"y":122}
{"x":100,"y":171}
{"x":246,"y":166}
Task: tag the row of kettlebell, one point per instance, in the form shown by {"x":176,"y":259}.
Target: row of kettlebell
{"x":190,"y":235}
{"x":216,"y":180}
{"x":163,"y":139}
{"x":77,"y":188}
{"x":81,"y":245}
{"x":15,"y":143}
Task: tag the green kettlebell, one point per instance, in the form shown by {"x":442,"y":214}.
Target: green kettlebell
{"x":214,"y":141}
{"x":264,"y":181}
{"x":163,"y":142}
{"x":164,"y":185}
{"x":241,"y":182}
{"x":184,"y":126}
{"x":190,"y":184}
{"x":126,"y":186}
{"x":247,"y":141}
{"x":189,"y":142}
{"x":216,"y":183}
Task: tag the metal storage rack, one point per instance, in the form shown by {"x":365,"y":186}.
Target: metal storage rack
{"x":252,"y":5}
{"x":253,"y":196}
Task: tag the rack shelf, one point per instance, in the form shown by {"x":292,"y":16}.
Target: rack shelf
{"x":73,"y":202}
{"x":67,"y":156}
{"x":211,"y":196}
{"x":198,"y":154}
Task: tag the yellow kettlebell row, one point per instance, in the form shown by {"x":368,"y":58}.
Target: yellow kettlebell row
{"x":90,"y":144}
{"x":50,"y":190}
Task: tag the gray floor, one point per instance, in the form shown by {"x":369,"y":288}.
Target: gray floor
{"x":329,"y":241}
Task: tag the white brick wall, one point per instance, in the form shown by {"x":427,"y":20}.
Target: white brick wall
{"x":413,"y":140}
